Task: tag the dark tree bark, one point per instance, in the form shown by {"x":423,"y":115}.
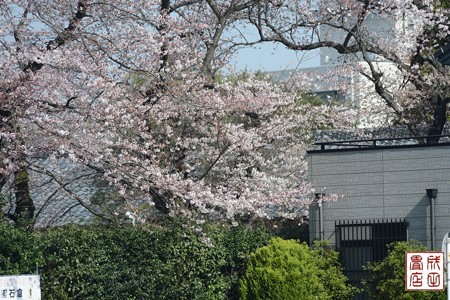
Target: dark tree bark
{"x":24,"y":210}
{"x":24,"y":206}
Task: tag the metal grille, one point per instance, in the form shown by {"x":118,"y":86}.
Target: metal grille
{"x":363,"y":241}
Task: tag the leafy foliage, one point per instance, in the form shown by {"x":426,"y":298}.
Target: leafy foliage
{"x":295,"y":229}
{"x":286,"y":269}
{"x":387,"y":277}
{"x":20,"y":250}
{"x":336,"y":282}
{"x":131,"y":262}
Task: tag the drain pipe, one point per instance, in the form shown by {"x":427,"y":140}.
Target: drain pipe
{"x":432,"y":194}
{"x":319,"y":203}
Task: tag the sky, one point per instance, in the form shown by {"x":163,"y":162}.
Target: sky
{"x":270,"y":57}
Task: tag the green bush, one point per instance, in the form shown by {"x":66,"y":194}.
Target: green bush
{"x":98,"y":262}
{"x":20,"y":250}
{"x":387,"y":277}
{"x":335,"y":281}
{"x":239,"y":243}
{"x":296,"y":229}
{"x":286,"y":269}
{"x":74,"y":257}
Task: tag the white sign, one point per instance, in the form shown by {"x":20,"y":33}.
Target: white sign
{"x":20,"y":287}
{"x":444,"y":247}
{"x":424,"y":271}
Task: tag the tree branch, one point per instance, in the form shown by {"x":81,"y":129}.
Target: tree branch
{"x":63,"y":186}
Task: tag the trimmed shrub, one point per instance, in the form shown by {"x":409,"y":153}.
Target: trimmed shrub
{"x":98,"y":262}
{"x":130,"y":263}
{"x":387,"y":277}
{"x":20,"y":250}
{"x":286,"y":269}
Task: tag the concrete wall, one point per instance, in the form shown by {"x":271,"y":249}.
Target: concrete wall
{"x":384,"y":184}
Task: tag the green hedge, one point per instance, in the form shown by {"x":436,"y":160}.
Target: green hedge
{"x":131,"y":262}
{"x":20,"y":251}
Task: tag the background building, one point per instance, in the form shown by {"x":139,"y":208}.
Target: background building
{"x":338,"y":77}
{"x":392,"y":188}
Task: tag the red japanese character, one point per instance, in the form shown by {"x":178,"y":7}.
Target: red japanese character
{"x":416,"y":279}
{"x":433,"y":262}
{"x":434,"y":279}
{"x":416,"y":263}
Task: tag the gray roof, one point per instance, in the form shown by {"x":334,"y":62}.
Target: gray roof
{"x":54,"y":204}
{"x":443,"y":55}
{"x":74,"y":195}
{"x":363,"y":138}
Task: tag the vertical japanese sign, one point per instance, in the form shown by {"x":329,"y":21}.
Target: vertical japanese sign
{"x":20,"y":287}
{"x":424,"y":271}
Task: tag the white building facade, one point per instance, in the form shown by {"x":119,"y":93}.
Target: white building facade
{"x":340,"y":77}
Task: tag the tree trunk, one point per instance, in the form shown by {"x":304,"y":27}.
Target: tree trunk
{"x":439,"y":120}
{"x":24,"y":211}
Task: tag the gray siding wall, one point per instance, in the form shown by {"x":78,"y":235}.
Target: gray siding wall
{"x":383,"y":184}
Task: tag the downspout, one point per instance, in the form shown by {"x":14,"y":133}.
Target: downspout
{"x":321,"y":233}
{"x":320,"y":205}
{"x":432,"y":194}
{"x":433,"y":229}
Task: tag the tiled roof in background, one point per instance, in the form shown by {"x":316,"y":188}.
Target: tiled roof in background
{"x":54,"y":205}
{"x":62,"y":203}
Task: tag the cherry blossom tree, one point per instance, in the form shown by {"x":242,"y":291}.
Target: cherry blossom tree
{"x":129,"y":89}
{"x":414,"y":89}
